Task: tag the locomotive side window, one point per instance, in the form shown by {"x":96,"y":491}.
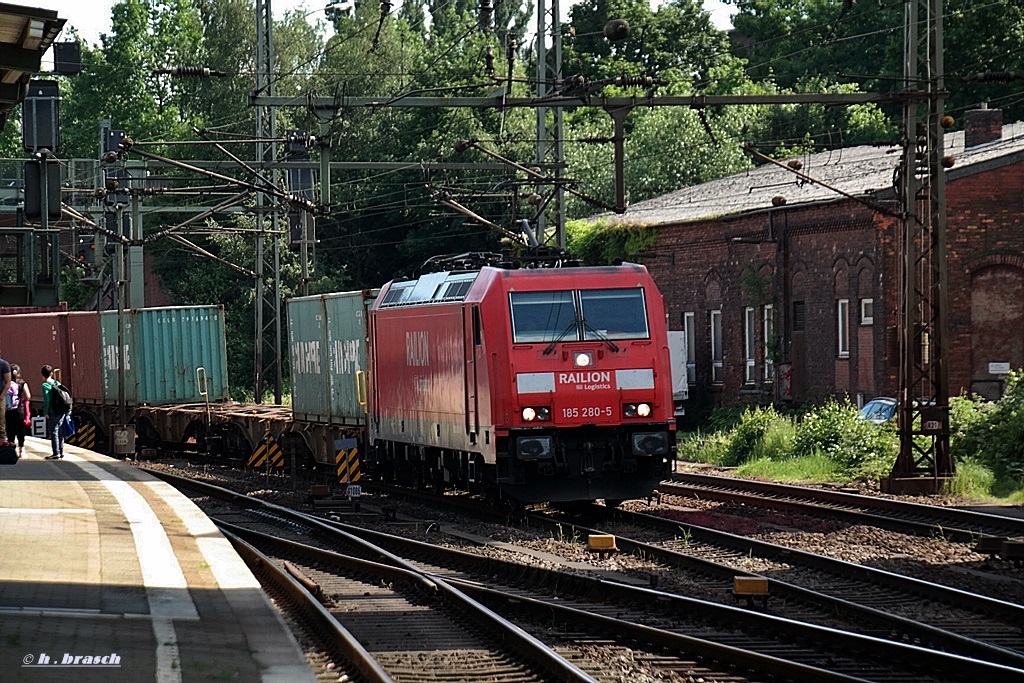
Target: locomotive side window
{"x":614,"y":314}
{"x":398,"y":293}
{"x":542,"y":317}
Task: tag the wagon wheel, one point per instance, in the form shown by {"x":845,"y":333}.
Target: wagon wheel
{"x":146,"y":434}
{"x":194,"y":438}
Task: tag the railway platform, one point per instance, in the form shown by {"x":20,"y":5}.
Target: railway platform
{"x":108,"y":574}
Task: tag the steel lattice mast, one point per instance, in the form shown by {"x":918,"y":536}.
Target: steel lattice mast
{"x":550,"y":138}
{"x":924,"y":458}
{"x":268,"y":255}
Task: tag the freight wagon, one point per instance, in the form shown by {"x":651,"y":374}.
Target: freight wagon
{"x":172,"y":356}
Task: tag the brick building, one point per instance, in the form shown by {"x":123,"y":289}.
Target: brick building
{"x":798,"y":301}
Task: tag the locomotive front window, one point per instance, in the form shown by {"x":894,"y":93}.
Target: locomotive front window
{"x":614,"y":314}
{"x":543,"y":316}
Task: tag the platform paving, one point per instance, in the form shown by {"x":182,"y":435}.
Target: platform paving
{"x":109,"y":575}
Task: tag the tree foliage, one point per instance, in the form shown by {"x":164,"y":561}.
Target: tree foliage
{"x":792,"y":41}
{"x":386,"y":222}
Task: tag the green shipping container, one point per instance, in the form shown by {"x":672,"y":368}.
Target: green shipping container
{"x":327,"y":348}
{"x":164,"y":347}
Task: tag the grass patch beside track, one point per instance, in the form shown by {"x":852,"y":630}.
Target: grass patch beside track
{"x":810,"y":468}
{"x":831,"y":443}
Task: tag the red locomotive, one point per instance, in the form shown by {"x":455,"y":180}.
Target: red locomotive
{"x":536,"y":384}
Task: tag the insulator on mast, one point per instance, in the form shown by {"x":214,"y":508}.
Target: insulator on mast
{"x":489,"y":62}
{"x":486,"y":14}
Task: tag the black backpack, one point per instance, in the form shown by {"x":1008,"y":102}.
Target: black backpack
{"x":60,"y":399}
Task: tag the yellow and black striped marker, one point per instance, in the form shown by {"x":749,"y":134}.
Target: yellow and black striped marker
{"x":84,"y":437}
{"x":348,"y":466}
{"x":267,"y":448}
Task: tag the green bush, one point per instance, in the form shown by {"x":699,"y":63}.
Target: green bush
{"x":992,"y":434}
{"x":747,"y":439}
{"x":777,"y":441}
{"x":836,"y":430}
{"x":972,"y":480}
{"x":710,"y":448}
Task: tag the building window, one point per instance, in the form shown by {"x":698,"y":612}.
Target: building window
{"x":716,"y":347}
{"x":750,"y":344}
{"x":867,"y":311}
{"x":843,"y":327}
{"x":689,"y":329}
{"x":799,"y":312}
{"x":770,"y":343}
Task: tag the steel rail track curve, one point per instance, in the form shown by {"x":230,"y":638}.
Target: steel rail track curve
{"x":897,"y":515}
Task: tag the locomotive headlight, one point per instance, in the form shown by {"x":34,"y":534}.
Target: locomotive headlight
{"x":629,"y":410}
{"x":541,"y":413}
{"x":583,"y":359}
{"x":643,"y":410}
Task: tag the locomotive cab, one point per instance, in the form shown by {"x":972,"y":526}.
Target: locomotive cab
{"x":591,"y":419}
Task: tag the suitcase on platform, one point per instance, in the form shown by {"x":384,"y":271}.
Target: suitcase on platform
{"x":8,"y":454}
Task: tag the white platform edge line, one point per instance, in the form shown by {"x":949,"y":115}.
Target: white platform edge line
{"x":166,"y":588}
{"x":231,"y":572}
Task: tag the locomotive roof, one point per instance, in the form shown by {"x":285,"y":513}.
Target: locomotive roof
{"x":450,"y":287}
{"x":429,"y":288}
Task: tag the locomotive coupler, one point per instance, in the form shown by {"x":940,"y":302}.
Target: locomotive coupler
{"x":588,"y":457}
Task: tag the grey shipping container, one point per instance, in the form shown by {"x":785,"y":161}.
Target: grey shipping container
{"x":327,"y":347}
{"x":164,"y":347}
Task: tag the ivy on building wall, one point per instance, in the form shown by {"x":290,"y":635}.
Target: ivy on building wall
{"x":604,"y":243}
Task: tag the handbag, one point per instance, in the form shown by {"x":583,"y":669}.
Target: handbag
{"x":67,"y":428}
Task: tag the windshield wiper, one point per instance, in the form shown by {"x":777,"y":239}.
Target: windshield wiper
{"x":599,"y":335}
{"x":560,"y":337}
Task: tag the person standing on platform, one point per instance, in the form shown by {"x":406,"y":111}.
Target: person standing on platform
{"x":18,"y":397}
{"x":55,"y":415}
{"x":5,"y":380}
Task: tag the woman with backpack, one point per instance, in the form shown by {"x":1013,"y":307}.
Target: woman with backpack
{"x":17,"y":400}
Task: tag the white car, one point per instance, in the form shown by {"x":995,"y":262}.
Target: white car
{"x":879,"y":410}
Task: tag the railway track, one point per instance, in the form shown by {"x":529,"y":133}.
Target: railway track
{"x":897,"y":515}
{"x":811,"y":587}
{"x":972,"y":616}
{"x":413,"y":629}
{"x":608,"y":610}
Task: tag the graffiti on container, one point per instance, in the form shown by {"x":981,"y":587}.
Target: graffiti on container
{"x":345,"y":356}
{"x":306,"y":357}
{"x":111,"y":358}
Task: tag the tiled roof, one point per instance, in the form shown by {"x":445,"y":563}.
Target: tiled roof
{"x":864,"y":170}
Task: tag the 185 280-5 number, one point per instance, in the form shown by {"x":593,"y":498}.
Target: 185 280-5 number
{"x":589,"y":411}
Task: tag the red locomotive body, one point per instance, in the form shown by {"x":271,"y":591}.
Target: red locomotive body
{"x":538,"y":384}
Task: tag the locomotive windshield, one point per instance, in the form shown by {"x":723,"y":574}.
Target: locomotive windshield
{"x":542,"y":316}
{"x":589,"y":314}
{"x":613,"y":314}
